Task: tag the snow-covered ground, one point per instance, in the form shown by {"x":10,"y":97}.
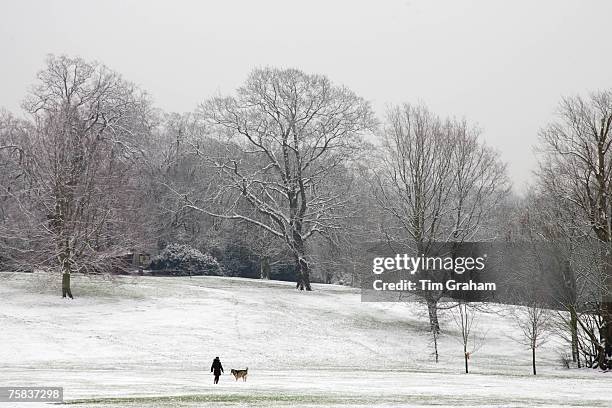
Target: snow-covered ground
{"x":149,"y":342}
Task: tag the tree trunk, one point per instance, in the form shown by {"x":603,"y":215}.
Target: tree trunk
{"x":435,"y":343}
{"x":66,"y":285}
{"x":466,"y":357}
{"x":533,"y":359}
{"x":574,"y":332}
{"x":606,"y":332}
{"x":65,"y":263}
{"x":303,"y":274}
{"x":606,"y":308}
{"x":328,"y":277}
{"x":302,"y":270}
{"x":432,"y":308}
{"x":264,"y":267}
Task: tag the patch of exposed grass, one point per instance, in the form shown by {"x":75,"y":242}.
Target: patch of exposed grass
{"x":186,"y":400}
{"x":295,"y":400}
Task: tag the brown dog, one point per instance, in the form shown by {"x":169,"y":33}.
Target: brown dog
{"x":240,"y":373}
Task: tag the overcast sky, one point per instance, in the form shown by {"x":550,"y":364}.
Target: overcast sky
{"x":501,"y":64}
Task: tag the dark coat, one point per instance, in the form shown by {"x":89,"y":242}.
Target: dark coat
{"x":216,"y":367}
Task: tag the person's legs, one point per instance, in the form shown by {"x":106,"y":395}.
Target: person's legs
{"x":216,"y":379}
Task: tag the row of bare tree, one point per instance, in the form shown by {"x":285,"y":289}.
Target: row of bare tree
{"x":570,"y":207}
{"x":297,"y":171}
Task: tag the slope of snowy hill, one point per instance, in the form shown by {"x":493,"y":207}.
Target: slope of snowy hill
{"x":149,"y":342}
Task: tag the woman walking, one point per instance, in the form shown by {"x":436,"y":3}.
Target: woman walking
{"x":216,"y":368}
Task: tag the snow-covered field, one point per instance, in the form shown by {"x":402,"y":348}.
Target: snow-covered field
{"x":149,"y":342}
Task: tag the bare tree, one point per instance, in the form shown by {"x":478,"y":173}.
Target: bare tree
{"x":576,"y":280}
{"x":591,"y":325}
{"x":87,"y":124}
{"x":530,"y":291}
{"x":291,"y":133}
{"x":173,"y":166}
{"x":534,"y":321}
{"x":465,"y":319}
{"x":437,"y":183}
{"x":12,"y":185}
{"x":576,"y":168}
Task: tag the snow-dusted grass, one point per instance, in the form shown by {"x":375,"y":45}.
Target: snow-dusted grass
{"x":149,"y":342}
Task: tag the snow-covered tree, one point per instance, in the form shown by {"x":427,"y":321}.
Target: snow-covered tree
{"x":576,"y":169}
{"x":436,"y":182}
{"x":290,"y":132}
{"x":79,"y":148}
